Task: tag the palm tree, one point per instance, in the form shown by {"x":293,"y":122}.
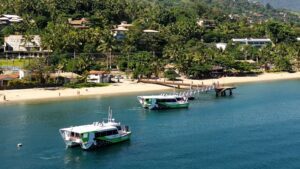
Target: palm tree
{"x":107,"y":45}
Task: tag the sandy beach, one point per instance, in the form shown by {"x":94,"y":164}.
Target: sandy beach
{"x":14,"y":96}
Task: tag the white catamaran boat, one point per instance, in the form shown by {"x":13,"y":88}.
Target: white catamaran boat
{"x":95,"y":135}
{"x":163,"y":102}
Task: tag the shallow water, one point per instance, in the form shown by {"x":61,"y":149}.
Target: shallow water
{"x":259,"y":127}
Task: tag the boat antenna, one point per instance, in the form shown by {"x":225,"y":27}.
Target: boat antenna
{"x":109,"y":114}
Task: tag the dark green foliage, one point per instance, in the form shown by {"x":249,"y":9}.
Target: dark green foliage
{"x":283,"y":64}
{"x":180,"y":41}
{"x":82,"y":85}
{"x":171,"y":74}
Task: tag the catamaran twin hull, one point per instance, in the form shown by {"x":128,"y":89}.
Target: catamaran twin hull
{"x":92,"y":140}
{"x":96,"y":134}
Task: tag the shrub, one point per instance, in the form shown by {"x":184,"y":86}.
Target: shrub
{"x":171,"y":75}
{"x":82,"y":85}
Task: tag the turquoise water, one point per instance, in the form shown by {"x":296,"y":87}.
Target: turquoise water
{"x":259,"y":127}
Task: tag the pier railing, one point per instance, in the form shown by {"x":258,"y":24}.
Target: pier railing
{"x":193,"y":88}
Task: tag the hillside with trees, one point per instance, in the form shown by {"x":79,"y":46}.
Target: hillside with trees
{"x":287,"y":4}
{"x":180,"y":41}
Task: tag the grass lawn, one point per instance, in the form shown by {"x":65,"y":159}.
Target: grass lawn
{"x":21,"y":63}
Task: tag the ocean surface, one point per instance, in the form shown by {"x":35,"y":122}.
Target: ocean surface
{"x":257,"y":128}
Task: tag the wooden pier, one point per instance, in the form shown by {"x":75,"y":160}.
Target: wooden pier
{"x":220,"y":90}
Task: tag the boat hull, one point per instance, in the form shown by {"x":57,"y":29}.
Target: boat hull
{"x":158,"y":102}
{"x":103,"y":141}
{"x":161,"y":106}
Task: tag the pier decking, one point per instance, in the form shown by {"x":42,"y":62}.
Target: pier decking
{"x":220,"y":90}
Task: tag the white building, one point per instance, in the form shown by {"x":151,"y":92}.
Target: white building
{"x":221,"y":46}
{"x":252,"y":41}
{"x":24,"y":46}
{"x":98,"y":77}
{"x":119,"y":31}
{"x":6,"y":19}
{"x":206,"y":23}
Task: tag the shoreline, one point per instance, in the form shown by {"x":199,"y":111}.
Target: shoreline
{"x":126,"y":87}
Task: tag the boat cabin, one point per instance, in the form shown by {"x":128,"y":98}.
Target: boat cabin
{"x":106,"y":133}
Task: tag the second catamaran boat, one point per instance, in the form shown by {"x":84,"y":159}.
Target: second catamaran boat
{"x":163,"y":102}
{"x":96,"y":134}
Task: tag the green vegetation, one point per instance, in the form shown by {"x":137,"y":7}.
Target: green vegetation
{"x":288,"y":4}
{"x":14,"y":62}
{"x":82,"y":85}
{"x":171,"y":74}
{"x":180,"y":41}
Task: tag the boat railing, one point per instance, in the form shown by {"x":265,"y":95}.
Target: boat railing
{"x":98,"y":124}
{"x":125,"y":128}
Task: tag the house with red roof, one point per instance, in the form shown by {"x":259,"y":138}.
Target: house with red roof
{"x":96,"y":76}
{"x":4,"y":79}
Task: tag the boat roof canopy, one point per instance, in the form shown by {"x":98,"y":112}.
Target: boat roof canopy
{"x":95,"y":127}
{"x":160,"y":97}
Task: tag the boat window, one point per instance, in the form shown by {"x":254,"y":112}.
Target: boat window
{"x":179,"y":98}
{"x":115,"y":132}
{"x":119,"y":127}
{"x":85,"y":135}
{"x":106,"y":133}
{"x":166,"y":100}
{"x":100,"y":134}
{"x":111,"y":132}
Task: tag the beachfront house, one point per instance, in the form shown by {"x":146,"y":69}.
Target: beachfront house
{"x":217,"y":71}
{"x":120,"y":30}
{"x":5,"y":78}
{"x":252,"y":41}
{"x":22,"y":46}
{"x":64,"y":77}
{"x":99,"y":77}
{"x":82,"y":23}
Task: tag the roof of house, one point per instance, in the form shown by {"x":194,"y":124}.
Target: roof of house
{"x":97,"y":72}
{"x":19,"y":43}
{"x":11,"y":16}
{"x":170,"y":66}
{"x":150,"y":31}
{"x":252,"y":40}
{"x":78,"y":22}
{"x":125,"y":24}
{"x":69,"y":75}
{"x":9,"y":77}
{"x":120,"y":28}
{"x":4,"y":19}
